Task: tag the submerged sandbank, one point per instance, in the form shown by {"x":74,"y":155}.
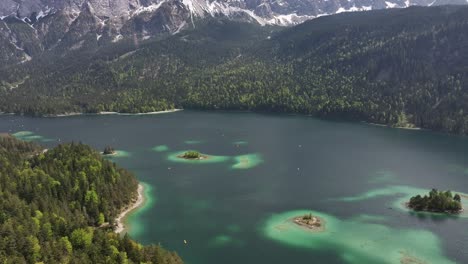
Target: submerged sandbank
{"x":356,"y":241}
{"x":117,"y":154}
{"x":193,"y":142}
{"x":160,"y":148}
{"x":178,"y":157}
{"x":404,"y":194}
{"x":240,"y":143}
{"x":30,"y":136}
{"x":247,"y":161}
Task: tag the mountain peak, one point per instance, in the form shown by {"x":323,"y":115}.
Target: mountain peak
{"x":75,"y":23}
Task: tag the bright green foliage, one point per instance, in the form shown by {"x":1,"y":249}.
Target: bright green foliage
{"x":53,"y":207}
{"x":82,"y":238}
{"x":67,"y":245}
{"x":101,"y":219}
{"x":436,"y":202}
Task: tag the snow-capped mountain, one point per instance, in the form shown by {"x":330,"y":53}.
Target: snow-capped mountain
{"x":279,"y":12}
{"x":30,"y":27}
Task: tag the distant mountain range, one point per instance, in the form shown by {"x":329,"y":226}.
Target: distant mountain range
{"x":31,"y":27}
{"x":401,"y":67}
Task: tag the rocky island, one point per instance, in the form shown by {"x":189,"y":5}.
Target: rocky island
{"x":310,"y":221}
{"x":437,"y":201}
{"x":109,"y":151}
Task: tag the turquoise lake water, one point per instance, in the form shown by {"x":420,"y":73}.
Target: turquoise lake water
{"x":265,"y":169}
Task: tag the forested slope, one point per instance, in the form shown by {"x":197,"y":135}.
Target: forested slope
{"x":401,"y":67}
{"x":54,"y":207}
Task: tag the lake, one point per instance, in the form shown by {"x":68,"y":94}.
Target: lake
{"x":265,"y":169}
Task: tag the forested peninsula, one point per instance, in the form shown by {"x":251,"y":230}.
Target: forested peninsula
{"x":59,"y":206}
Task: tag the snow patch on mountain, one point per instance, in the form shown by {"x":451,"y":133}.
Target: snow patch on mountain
{"x":286,"y":20}
{"x":148,"y":9}
{"x":43,"y":13}
{"x":278,"y":12}
{"x":353,"y":9}
{"x":66,"y":23}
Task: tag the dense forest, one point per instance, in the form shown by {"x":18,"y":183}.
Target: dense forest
{"x":59,"y":206}
{"x":401,"y":67}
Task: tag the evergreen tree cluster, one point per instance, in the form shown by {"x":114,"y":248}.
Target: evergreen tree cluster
{"x":192,"y":155}
{"x":108,"y":150}
{"x":436,"y":201}
{"x":59,"y":206}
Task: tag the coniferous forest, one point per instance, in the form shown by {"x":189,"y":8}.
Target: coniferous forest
{"x":401,"y":67}
{"x":59,"y":206}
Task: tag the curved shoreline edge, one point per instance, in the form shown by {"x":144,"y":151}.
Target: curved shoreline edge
{"x":120,"y":219}
{"x":146,"y":113}
{"x":114,"y":113}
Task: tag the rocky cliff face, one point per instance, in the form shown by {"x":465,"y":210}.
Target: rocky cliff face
{"x":31,"y":27}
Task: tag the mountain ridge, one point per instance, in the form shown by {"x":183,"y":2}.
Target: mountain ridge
{"x":75,"y":24}
{"x":399,"y":67}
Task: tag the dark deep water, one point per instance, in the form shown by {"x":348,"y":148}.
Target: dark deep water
{"x":307,"y":163}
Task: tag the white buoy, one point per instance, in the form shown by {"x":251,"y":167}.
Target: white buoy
{"x":185,"y":241}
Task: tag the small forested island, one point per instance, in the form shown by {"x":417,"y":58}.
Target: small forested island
{"x":437,"y":201}
{"x":108,"y":150}
{"x":50,"y":213}
{"x":310,"y":221}
{"x":193,"y":155}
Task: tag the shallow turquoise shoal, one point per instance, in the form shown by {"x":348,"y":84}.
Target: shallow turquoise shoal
{"x":132,"y":221}
{"x":30,"y":136}
{"x":247,"y":161}
{"x":402,"y":195}
{"x":119,"y":154}
{"x":174,"y":156}
{"x":193,"y":142}
{"x":160,"y":148}
{"x":240,"y":142}
{"x":355,"y":241}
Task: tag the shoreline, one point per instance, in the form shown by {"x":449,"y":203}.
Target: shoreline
{"x":119,"y":220}
{"x":147,"y":113}
{"x":389,"y":126}
{"x":110,"y":154}
{"x":112,"y":113}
